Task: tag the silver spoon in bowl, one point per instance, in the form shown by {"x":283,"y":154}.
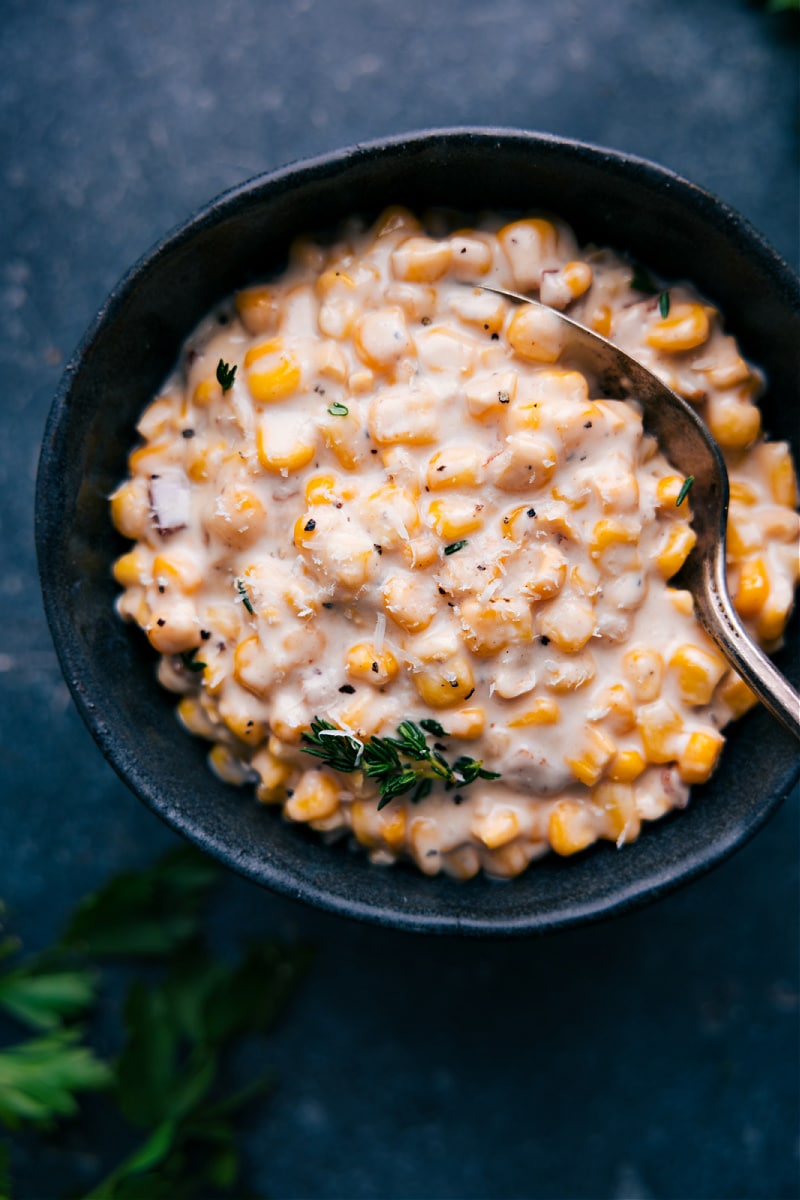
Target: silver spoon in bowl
{"x":688,"y":445}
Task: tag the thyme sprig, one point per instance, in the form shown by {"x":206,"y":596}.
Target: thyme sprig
{"x":225,"y":375}
{"x":401,"y":764}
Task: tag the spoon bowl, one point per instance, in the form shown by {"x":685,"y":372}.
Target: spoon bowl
{"x":688,"y":445}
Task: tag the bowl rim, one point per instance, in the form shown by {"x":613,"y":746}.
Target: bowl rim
{"x":641,"y":891}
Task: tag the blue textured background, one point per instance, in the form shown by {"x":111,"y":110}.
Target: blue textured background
{"x":654,"y":1056}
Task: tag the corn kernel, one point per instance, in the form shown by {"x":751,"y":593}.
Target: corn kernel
{"x":467,"y":723}
{"x":626,"y":766}
{"x":536,"y":334}
{"x":497,"y":827}
{"x":601,"y":320}
{"x":679,"y":545}
{"x":542,"y":712}
{"x":206,"y":391}
{"x":132,"y":568}
{"x":290,"y":452}
{"x":570,"y":828}
{"x":610,"y":532}
{"x":445,"y":684}
{"x":453,"y":519}
{"x":660,"y":726}
{"x":273,"y":774}
{"x":568,"y":622}
{"x":421,"y":260}
{"x":252,"y":668}
{"x":700,"y":755}
{"x":273,"y":374}
{"x":752,"y":588}
{"x":369,"y":665}
{"x":737,"y":695}
{"x":315,"y":797}
{"x":617,"y":800}
{"x":408,"y":603}
{"x":457,"y":466}
{"x":258,"y":309}
{"x":685,"y":327}
{"x":594,"y":754}
{"x":776,"y":459}
{"x":490,"y":628}
{"x":644,"y":669}
{"x":178,"y":570}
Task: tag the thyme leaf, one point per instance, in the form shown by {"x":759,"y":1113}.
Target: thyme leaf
{"x":225,"y":375}
{"x":686,"y":487}
{"x":401,"y":764}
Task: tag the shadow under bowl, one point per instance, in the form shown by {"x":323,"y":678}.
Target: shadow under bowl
{"x":611,"y":199}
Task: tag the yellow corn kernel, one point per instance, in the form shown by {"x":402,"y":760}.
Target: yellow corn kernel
{"x":528,"y":245}
{"x":315,"y":797}
{"x":421,"y":552}
{"x":225,"y":764}
{"x":682,"y":602}
{"x":568,"y":622}
{"x":700,"y":755}
{"x":737,"y":695}
{"x":372,"y":827}
{"x":252,"y":668}
{"x":601,"y":320}
{"x":741,"y":492}
{"x":462,"y":863}
{"x":734,"y":423}
{"x":274,"y":773}
{"x":206,"y":391}
{"x":679,"y":545}
{"x":644,"y":668}
{"x":345,"y":437}
{"x":490,"y":628}
{"x":174,"y":628}
{"x":594,"y":754}
{"x":496,"y":828}
{"x":333,"y":280}
{"x":453,"y":519}
{"x":613,"y":532}
{"x":148,"y":458}
{"x":467,"y":723}
{"x":411,"y":606}
{"x":752,"y":587}
{"x":618,"y":801}
{"x":381,"y":338}
{"x":542,"y":712}
{"x":536,"y":335}
{"x":179,"y":570}
{"x":772,"y":618}
{"x":425,"y":845}
{"x":577,"y":276}
{"x":194,"y":718}
{"x":685,"y":327}
{"x":660,"y":726}
{"x":273,"y":373}
{"x":668,"y":489}
{"x":775,"y":458}
{"x":369,"y":665}
{"x":244,"y":727}
{"x":570,"y":827}
{"x":393,"y":827}
{"x":508,"y":861}
{"x":320,"y":489}
{"x":401,"y":416}
{"x":698,"y":673}
{"x":391,"y":515}
{"x":421,"y":260}
{"x":445,"y":684}
{"x":284,"y":454}
{"x":130,"y":509}
{"x":626,"y":766}
{"x":132,"y":568}
{"x":615,"y":705}
{"x":569,"y":674}
{"x":238,"y":517}
{"x":545,"y":578}
{"x":488,"y":395}
{"x":457,"y":466}
{"x":258,"y":309}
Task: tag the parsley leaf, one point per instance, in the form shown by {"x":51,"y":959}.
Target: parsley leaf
{"x":39,"y":1078}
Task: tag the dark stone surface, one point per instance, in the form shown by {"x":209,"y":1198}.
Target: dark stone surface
{"x":654,"y":1056}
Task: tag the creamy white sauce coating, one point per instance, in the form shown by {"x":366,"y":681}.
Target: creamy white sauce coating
{"x":409,"y":506}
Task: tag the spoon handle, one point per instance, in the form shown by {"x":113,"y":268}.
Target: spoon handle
{"x":721,"y":622}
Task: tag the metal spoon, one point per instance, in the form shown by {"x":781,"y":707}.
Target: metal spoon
{"x":689,"y":446}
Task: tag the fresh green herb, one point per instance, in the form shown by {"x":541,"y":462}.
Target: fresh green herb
{"x":686,"y":487}
{"x":39,"y":1078}
{"x":190,"y":662}
{"x":181,"y":1027}
{"x":454,"y":547}
{"x":338,"y":410}
{"x":225,"y":375}
{"x":242,"y":590}
{"x":783,"y":6}
{"x":663,"y":304}
{"x":431,"y":726}
{"x":399,"y":765}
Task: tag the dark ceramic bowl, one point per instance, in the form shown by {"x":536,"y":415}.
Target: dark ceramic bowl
{"x":610,"y":198}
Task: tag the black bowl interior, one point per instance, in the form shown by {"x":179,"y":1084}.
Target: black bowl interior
{"x":610,"y":199}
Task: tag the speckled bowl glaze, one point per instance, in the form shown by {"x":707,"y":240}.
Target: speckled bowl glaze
{"x":610,"y":198}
